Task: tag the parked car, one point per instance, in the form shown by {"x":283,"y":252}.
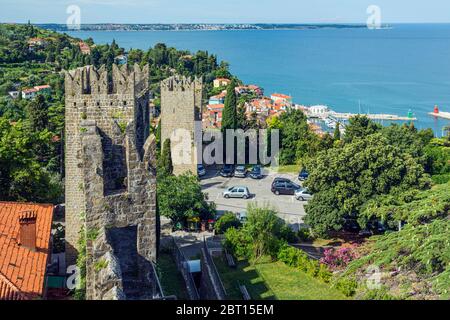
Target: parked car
{"x":227,"y":171}
{"x":284,"y":187}
{"x":276,"y":180}
{"x":303,"y":175}
{"x":240,"y":172}
{"x":303,"y":195}
{"x":201,"y":171}
{"x":237,"y":192}
{"x":256,"y":173}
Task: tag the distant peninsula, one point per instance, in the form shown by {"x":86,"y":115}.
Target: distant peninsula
{"x":194,"y":27}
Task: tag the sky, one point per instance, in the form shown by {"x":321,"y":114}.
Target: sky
{"x":225,"y":11}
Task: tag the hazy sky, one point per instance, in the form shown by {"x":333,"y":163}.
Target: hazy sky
{"x":224,"y":11}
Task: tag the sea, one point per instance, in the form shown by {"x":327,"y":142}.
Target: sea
{"x":396,"y":70}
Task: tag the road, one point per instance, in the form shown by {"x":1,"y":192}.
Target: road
{"x":290,"y":210}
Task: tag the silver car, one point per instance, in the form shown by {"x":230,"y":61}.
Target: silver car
{"x":240,"y":172}
{"x":237,"y":192}
{"x":303,"y":195}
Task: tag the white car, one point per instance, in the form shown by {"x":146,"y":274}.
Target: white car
{"x":303,"y":195}
{"x":237,"y":192}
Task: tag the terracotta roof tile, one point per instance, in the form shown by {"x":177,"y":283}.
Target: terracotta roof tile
{"x":22,"y":271}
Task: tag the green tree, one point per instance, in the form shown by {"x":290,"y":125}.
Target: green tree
{"x":262,"y":234}
{"x":158,"y":136}
{"x":227,"y":221}
{"x":22,"y":177}
{"x":38,"y":113}
{"x":360,"y":127}
{"x":166,"y":167}
{"x":343,"y":179}
{"x":229,"y":117}
{"x":337,"y":132}
{"x":181,"y":197}
{"x":297,"y":141}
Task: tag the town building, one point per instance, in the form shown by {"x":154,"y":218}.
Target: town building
{"x":25,"y":249}
{"x":218,"y":99}
{"x":221,"y":82}
{"x":212,"y":117}
{"x":281,"y":99}
{"x":250,"y":89}
{"x":318,"y":110}
{"x":84,"y":47}
{"x":34,"y":43}
{"x":260,"y":106}
{"x":14,"y":94}
{"x":30,"y":93}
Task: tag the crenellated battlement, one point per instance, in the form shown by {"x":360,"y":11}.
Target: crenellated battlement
{"x":181,"y":83}
{"x":123,"y":80}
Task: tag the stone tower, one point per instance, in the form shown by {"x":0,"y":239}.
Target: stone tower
{"x":181,"y":106}
{"x":110,"y":179}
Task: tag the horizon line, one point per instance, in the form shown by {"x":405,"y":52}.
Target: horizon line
{"x":228,"y":23}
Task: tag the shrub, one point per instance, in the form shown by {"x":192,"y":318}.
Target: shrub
{"x":287,"y":234}
{"x":226,"y":222}
{"x":304,"y":235}
{"x":324,"y":273}
{"x":347,"y":286}
{"x":239,"y":243}
{"x":340,"y":258}
{"x":299,"y":259}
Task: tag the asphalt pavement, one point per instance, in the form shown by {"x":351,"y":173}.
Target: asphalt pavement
{"x":288,"y":208}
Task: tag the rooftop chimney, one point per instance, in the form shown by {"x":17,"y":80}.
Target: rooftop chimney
{"x":27,"y":221}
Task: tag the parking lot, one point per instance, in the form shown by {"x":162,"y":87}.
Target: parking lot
{"x":289,"y":209}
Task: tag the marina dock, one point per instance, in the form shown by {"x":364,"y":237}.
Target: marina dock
{"x":443,"y":115}
{"x":391,"y":117}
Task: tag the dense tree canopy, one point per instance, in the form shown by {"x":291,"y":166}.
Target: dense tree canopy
{"x":344,"y":178}
{"x":22,"y":175}
{"x":297,"y":141}
{"x":181,"y":197}
{"x":360,"y":127}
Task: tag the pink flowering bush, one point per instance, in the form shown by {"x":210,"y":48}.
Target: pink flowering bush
{"x":340,"y":258}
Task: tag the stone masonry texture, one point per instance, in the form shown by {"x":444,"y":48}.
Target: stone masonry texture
{"x":181,"y":104}
{"x":110,"y":179}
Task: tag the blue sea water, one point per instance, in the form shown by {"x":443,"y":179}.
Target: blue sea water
{"x":390,"y":71}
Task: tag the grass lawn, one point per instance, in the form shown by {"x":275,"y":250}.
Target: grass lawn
{"x":171,"y":279}
{"x":273,"y":281}
{"x":243,"y":274}
{"x":290,"y":284}
{"x":295,"y":168}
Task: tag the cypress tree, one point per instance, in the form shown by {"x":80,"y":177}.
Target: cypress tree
{"x":38,"y":114}
{"x":337,"y":132}
{"x":158,"y":136}
{"x":166,"y":166}
{"x":229,"y":116}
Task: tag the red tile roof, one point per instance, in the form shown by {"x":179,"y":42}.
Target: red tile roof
{"x":215,"y":107}
{"x":29,"y":90}
{"x":22,"y":271}
{"x":281,"y":96}
{"x":45,"y":86}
